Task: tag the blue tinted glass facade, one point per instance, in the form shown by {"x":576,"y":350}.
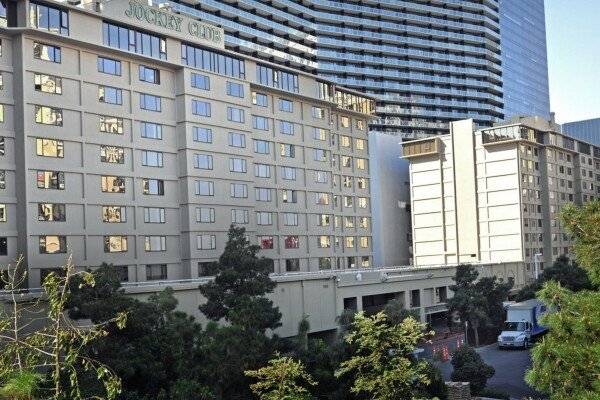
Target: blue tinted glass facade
{"x":524,"y":59}
{"x":587,"y":130}
{"x":427,"y":62}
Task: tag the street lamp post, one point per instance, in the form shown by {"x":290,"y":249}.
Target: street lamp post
{"x":536,"y":263}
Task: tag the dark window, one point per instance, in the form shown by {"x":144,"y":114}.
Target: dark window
{"x":3,"y":246}
{"x":134,"y":40}
{"x":212,"y":61}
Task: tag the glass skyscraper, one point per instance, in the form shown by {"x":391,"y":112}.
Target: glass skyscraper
{"x":588,"y":130}
{"x":427,"y":62}
{"x":524,"y":59}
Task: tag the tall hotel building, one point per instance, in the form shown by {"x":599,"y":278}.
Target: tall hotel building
{"x":495,"y":195}
{"x":130,"y":135}
{"x":426,"y":62}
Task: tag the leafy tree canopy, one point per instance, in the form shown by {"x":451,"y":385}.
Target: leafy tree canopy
{"x":469,"y":367}
{"x":282,"y":379}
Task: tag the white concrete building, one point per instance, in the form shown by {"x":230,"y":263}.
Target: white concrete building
{"x":494,"y":195}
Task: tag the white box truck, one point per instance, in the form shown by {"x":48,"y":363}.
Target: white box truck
{"x":522,"y":324}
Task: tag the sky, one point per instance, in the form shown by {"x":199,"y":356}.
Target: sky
{"x":573,"y":41}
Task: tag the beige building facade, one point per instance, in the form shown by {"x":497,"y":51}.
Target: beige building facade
{"x":130,"y":136}
{"x":495,"y":195}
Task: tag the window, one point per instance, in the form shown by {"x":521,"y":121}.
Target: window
{"x":345,"y":141}
{"x":134,"y":40}
{"x":154,"y":215}
{"x":321,"y":176}
{"x":286,"y":105}
{"x":48,"y":116}
{"x":49,"y":18}
{"x":261,"y":123}
{"x":320,"y":155}
{"x":237,"y":139}
{"x":52,"y":212}
{"x":262,"y":147}
{"x":203,"y":161}
{"x":150,"y":75}
{"x":51,"y":180}
{"x":47,"y":83}
{"x":318,"y":112}
{"x":151,"y":130}
{"x":349,"y":222}
{"x":155,"y":243}
{"x":239,"y":216}
{"x":323,"y":220}
{"x":260,"y":99}
{"x":364,"y":242}
{"x":150,"y":102}
{"x":156,"y":272}
{"x":110,"y":95}
{"x":363,"y":202}
{"x":286,"y":128}
{"x":203,"y":135}
{"x":3,"y":246}
{"x":324,"y":242}
{"x":152,"y":158}
{"x":113,"y":184}
{"x":205,"y":188}
{"x":115,"y":244}
{"x":153,"y":186}
{"x":264,"y":218}
{"x":289,"y":196}
{"x":361,"y":183}
{"x":363,"y":222}
{"x":114,"y":214}
{"x":109,"y":66}
{"x":290,"y":219}
{"x":291,"y":242}
{"x":287,"y":150}
{"x":239,"y":190}
{"x":265,"y":242}
{"x":112,"y":154}
{"x":277,"y":78}
{"x":2,"y":179}
{"x":46,"y":148}
{"x":46,"y":52}
{"x":350,"y":242}
{"x":205,"y":215}
{"x":235,"y":89}
{"x":111,"y":125}
{"x":345,"y":121}
{"x":262,"y":170}
{"x":262,"y":194}
{"x":201,"y":108}
{"x":361,"y":163}
{"x":360,"y":124}
{"x":200,"y":81}
{"x":122,"y":272}
{"x":288,"y":173}
{"x":292,"y":265}
{"x":347,"y":182}
{"x":322,"y":198}
{"x":237,"y":165}
{"x":206,"y":242}
{"x":360,"y":144}
{"x":324,"y":263}
{"x":235,"y":114}
{"x":52,"y":244}
{"x":212,"y":61}
{"x":346,"y":161}
{"x":348,"y":201}
{"x":320,"y":134}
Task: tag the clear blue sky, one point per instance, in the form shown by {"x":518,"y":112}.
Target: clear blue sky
{"x":573,"y":40}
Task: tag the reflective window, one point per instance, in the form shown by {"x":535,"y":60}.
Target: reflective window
{"x":205,"y":188}
{"x":260,"y":99}
{"x":134,"y":40}
{"x":212,"y":61}
{"x":151,"y":130}
{"x":51,"y":212}
{"x":262,"y":194}
{"x":112,"y":154}
{"x":49,"y":18}
{"x":237,"y":139}
{"x":115,"y":244}
{"x":239,"y":190}
{"x":114,"y":214}
{"x":203,"y":135}
{"x":235,"y":114}
{"x":203,"y":161}
{"x":239,"y":216}
{"x":150,"y":75}
{"x":200,"y":81}
{"x":206,"y":242}
{"x":154,"y":215}
{"x":201,"y":108}
{"x":46,"y":52}
{"x":262,"y":147}
{"x":110,"y":95}
{"x":52,"y":244}
{"x":49,"y":148}
{"x":48,"y":116}
{"x":111,"y":125}
{"x":155,"y":243}
{"x":205,"y":215}
{"x":112,"y":184}
{"x":47,"y":83}
{"x":237,"y":165}
{"x":235,"y":89}
{"x":261,"y":123}
{"x":150,"y":102}
{"x":109,"y":66}
{"x":286,"y":105}
{"x":152,"y":158}
{"x":277,"y":78}
{"x":264,"y":218}
{"x":51,"y":180}
{"x":153,"y":187}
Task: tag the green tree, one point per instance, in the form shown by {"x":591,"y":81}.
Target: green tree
{"x":382,"y":364}
{"x":567,"y":273}
{"x":282,"y":379}
{"x":396,"y":312}
{"x":469,"y":367}
{"x":478,"y":302}
{"x":53,"y":345}
{"x":565,"y":362}
{"x":158,"y":354}
{"x":241,"y":281}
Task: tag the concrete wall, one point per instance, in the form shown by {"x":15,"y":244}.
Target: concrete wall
{"x":390,"y":194}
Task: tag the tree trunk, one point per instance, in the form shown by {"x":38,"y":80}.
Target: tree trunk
{"x":476,"y":332}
